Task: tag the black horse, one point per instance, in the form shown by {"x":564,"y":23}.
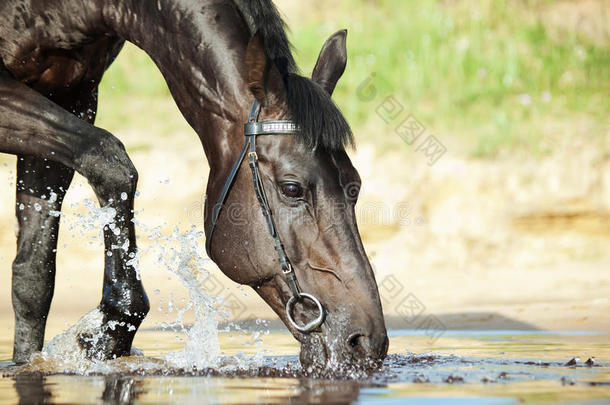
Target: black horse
{"x":219,"y":57}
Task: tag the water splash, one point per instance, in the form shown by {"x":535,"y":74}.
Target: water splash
{"x":178,"y":252}
{"x":63,"y":351}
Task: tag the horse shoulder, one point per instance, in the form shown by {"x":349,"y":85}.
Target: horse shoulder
{"x":53,"y":50}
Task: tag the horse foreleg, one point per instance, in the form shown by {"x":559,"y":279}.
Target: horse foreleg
{"x":41,"y":186}
{"x":31,"y":124}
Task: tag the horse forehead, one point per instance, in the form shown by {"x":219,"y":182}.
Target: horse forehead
{"x":287,"y":150}
{"x":290,"y":153}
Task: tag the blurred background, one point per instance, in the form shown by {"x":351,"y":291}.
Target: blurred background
{"x":483,"y":143}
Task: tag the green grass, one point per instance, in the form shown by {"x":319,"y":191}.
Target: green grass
{"x":489,"y":81}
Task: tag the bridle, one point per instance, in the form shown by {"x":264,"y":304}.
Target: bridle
{"x":252,"y":129}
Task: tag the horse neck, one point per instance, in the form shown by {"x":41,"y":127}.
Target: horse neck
{"x":199,"y":48}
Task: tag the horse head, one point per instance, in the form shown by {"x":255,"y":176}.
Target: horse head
{"x":309,"y":186}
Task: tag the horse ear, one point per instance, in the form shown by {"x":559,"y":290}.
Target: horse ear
{"x":257,"y":64}
{"x":264,"y":79}
{"x":331,"y":62}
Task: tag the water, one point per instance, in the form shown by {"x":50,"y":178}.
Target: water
{"x":210,"y":364}
{"x":458,"y":368}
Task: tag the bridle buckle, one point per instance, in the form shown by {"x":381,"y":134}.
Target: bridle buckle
{"x":288,"y":269}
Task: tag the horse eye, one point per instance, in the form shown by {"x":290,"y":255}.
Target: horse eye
{"x":292,"y":190}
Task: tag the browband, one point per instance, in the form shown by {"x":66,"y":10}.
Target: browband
{"x":273,"y":127}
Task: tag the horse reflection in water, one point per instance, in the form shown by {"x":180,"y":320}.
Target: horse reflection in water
{"x":38,"y":389}
{"x":218,"y":58}
{"x":31,"y":389}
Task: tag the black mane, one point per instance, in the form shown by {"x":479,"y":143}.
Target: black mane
{"x":312,"y":109}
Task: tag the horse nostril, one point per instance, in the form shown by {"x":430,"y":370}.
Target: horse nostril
{"x":354,"y":340}
{"x":375,"y":346}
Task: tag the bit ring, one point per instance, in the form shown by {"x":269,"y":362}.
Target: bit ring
{"x":311,"y":326}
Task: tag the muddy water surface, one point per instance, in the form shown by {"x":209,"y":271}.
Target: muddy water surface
{"x":500,"y":367}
